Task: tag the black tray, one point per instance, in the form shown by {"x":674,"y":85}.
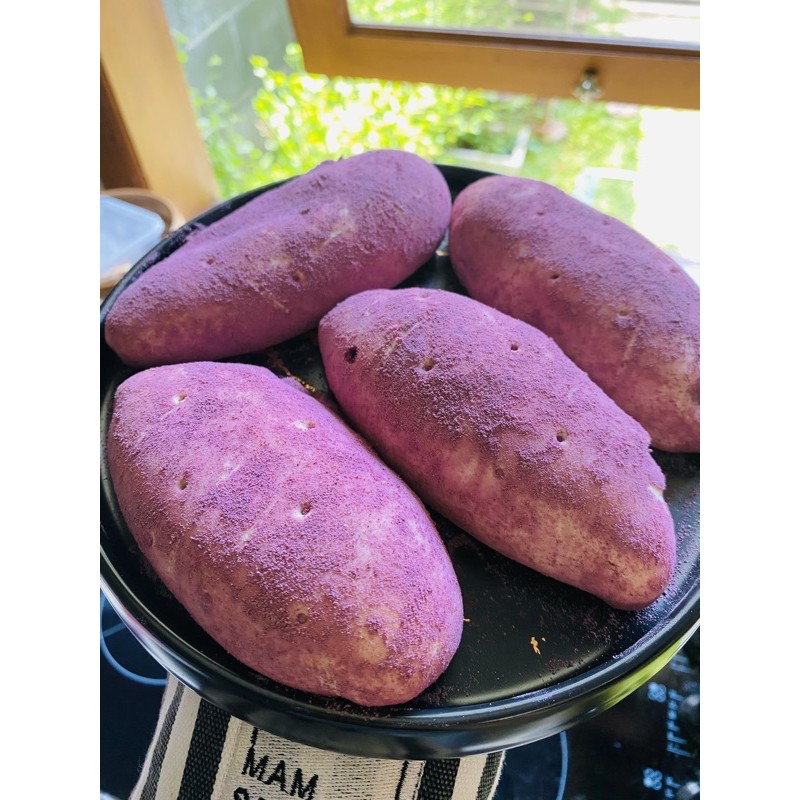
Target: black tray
{"x":536,"y":656}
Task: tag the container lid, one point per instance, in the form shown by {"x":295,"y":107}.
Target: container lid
{"x":127,"y":232}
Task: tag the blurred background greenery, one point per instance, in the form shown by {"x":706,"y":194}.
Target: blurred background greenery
{"x":264,"y":118}
{"x":302,"y":119}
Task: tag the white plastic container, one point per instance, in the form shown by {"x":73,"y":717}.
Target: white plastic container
{"x":127,"y":232}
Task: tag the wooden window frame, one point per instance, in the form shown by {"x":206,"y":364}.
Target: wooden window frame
{"x":635,"y":71}
{"x":148,"y":135}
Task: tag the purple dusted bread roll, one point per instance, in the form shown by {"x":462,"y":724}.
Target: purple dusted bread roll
{"x":281,"y":532}
{"x":269,"y":270}
{"x":494,"y":427}
{"x":619,"y":307}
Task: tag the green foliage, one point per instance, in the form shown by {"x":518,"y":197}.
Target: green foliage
{"x":493,"y":126}
{"x":442,"y":14}
{"x":594,"y":138}
{"x":236,"y":160}
{"x":576,"y":16}
{"x":303,"y":119}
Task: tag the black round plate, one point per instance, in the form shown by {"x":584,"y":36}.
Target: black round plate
{"x":536,"y":657}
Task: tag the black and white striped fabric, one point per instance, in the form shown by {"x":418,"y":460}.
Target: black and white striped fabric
{"x":200,"y":752}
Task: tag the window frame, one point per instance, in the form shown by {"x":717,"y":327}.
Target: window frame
{"x":149,"y":135}
{"x":148,"y":130}
{"x":642,"y":72}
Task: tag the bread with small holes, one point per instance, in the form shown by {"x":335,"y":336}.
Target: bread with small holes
{"x":495,"y":428}
{"x":281,"y":532}
{"x":618,"y":306}
{"x":269,"y":270}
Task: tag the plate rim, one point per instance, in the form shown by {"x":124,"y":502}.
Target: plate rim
{"x":447,"y":732}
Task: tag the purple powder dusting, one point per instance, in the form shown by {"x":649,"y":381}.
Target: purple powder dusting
{"x":506,"y":442}
{"x":269,"y":271}
{"x":618,"y":306}
{"x":264,"y":514}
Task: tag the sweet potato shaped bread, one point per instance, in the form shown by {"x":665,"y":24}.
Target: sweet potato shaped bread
{"x":282,"y":533}
{"x":269,"y":270}
{"x":494,"y":427}
{"x":618,"y":306}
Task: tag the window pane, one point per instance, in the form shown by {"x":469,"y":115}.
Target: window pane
{"x":264,"y":118}
{"x":637,"y":163}
{"x":676,"y":21}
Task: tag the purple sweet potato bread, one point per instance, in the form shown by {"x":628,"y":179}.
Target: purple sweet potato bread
{"x":282,"y":533}
{"x":494,"y":427}
{"x":618,"y":306}
{"x":269,"y":270}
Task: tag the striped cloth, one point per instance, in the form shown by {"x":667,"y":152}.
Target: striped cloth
{"x":199,"y":752}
